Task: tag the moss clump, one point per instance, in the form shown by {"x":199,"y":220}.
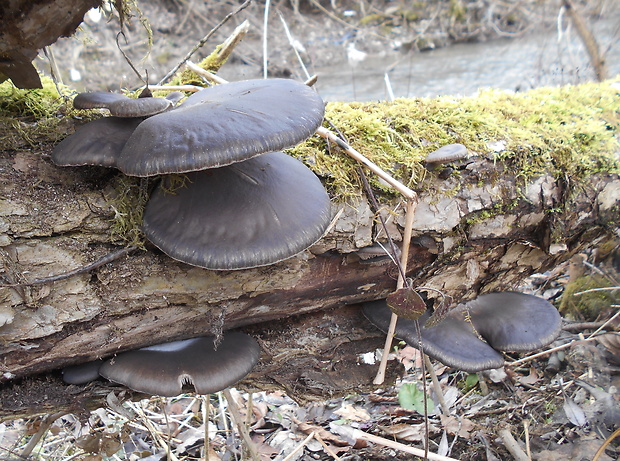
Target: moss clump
{"x":128,"y":202}
{"x":569,"y":131}
{"x":586,"y":306}
{"x":30,"y":115}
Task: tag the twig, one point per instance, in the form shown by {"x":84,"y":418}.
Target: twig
{"x":236,"y":416}
{"x":411,"y":206}
{"x":592,"y":290}
{"x":205,"y":73}
{"x":46,"y":423}
{"x":357,"y":434}
{"x":329,"y":451}
{"x":400,"y":187}
{"x":543,"y":353}
{"x":265,"y":28}
{"x":438,"y":392}
{"x":201,"y":43}
{"x":299,"y":447}
{"x":191,"y":88}
{"x":80,"y":270}
{"x":601,"y":450}
{"x":513,"y":446}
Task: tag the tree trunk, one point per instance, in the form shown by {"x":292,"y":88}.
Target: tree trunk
{"x":479,"y":235}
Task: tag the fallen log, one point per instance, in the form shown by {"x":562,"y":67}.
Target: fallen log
{"x":512,"y":209}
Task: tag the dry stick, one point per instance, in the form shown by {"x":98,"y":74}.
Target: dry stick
{"x":236,"y":416}
{"x":412,"y":201}
{"x":299,"y":447}
{"x":400,"y":187}
{"x":201,"y":43}
{"x":596,"y":58}
{"x":80,"y":270}
{"x":603,"y":447}
{"x":206,"y":409}
{"x":205,"y":73}
{"x":411,"y":205}
{"x":329,"y":451}
{"x":46,"y":423}
{"x":191,"y":88}
{"x":513,"y":446}
{"x":431,"y":370}
{"x":357,"y":434}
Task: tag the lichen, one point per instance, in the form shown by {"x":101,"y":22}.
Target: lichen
{"x":570,"y":131}
{"x":586,"y":306}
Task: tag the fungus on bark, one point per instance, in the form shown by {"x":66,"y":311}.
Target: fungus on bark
{"x":446,"y":154}
{"x":120,"y":105}
{"x":164,"y":369}
{"x":470,"y":335}
{"x":244,"y":215}
{"x":96,"y":143}
{"x":222,"y":125}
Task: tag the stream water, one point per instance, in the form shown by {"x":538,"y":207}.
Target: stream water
{"x":516,"y":64}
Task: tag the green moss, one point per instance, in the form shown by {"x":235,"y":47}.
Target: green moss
{"x":31,"y":115}
{"x":586,"y":306}
{"x":569,"y":131}
{"x":128,"y":202}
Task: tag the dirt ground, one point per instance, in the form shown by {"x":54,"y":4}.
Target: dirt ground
{"x":560,"y":406}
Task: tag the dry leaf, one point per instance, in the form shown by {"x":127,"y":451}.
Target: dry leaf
{"x":574,"y":413}
{"x":457,"y":425}
{"x":409,"y":432}
{"x":348,"y":411}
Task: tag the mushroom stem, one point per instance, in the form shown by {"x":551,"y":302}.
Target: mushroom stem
{"x":411,"y":206}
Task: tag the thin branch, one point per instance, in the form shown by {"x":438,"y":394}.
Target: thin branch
{"x":201,"y":43}
{"x":80,"y":270}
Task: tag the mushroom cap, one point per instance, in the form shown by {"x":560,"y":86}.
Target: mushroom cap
{"x":96,"y":99}
{"x":514,"y":322}
{"x":447,"y":153}
{"x":248,"y":214}
{"x":120,"y":105}
{"x":96,"y":143}
{"x":164,"y":369}
{"x":453,"y":341}
{"x":470,"y":335}
{"x":221,"y":125}
{"x":82,"y":373}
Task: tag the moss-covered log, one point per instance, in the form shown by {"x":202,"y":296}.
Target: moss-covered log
{"x":541,"y":184}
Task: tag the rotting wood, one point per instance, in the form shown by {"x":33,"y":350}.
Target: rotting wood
{"x":478,"y":230}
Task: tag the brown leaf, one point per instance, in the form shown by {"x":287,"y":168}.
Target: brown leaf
{"x":406,"y":303}
{"x":409,"y":432}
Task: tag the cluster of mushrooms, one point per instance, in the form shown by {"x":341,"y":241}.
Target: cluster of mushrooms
{"x":243,"y":203}
{"x":471,"y":336}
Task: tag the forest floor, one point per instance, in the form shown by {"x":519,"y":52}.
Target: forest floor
{"x":559,"y":406}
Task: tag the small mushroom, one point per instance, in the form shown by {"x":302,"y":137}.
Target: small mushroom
{"x":96,"y":143}
{"x":120,"y":105}
{"x":164,"y":369}
{"x":446,"y":154}
{"x":470,"y":335}
{"x":222,"y":125}
{"x":82,"y":373}
{"x":248,"y":214}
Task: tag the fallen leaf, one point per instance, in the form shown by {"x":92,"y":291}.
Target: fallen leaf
{"x":348,"y":411}
{"x":409,"y":432}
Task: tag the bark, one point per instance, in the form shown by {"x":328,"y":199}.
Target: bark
{"x":487,"y":236}
{"x":27,"y":26}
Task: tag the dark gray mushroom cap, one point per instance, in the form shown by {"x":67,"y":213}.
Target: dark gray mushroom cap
{"x":82,"y":373}
{"x":248,"y":214}
{"x":222,"y":125}
{"x":447,"y":153}
{"x":97,"y":99}
{"x":453,"y":341}
{"x":96,"y":143}
{"x":120,"y":105}
{"x":470,"y":335}
{"x":514,"y":322}
{"x":165,"y":368}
